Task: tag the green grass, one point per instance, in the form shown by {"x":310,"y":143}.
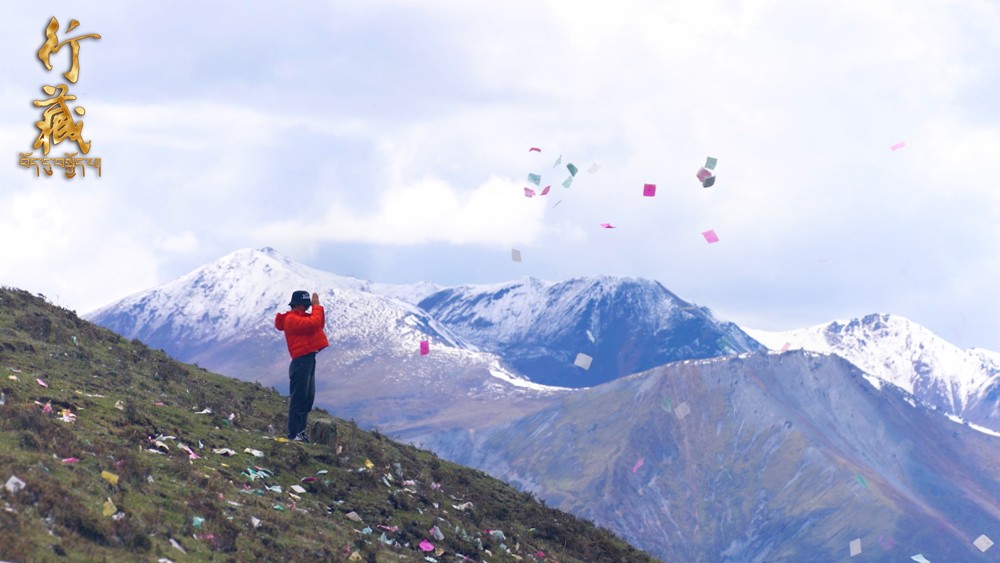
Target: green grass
{"x":209,"y":505}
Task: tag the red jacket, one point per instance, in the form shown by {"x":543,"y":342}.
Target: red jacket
{"x":303,"y":331}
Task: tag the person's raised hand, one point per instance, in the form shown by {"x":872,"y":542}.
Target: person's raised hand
{"x":315,"y":299}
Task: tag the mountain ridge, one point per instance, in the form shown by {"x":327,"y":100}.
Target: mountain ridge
{"x":965,"y":383}
{"x":624,"y":324}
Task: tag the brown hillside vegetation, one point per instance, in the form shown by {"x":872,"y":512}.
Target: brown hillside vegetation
{"x":112,"y":451}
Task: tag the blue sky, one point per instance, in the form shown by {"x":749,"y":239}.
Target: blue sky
{"x":388,"y":140}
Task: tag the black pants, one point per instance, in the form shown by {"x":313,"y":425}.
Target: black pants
{"x":302,"y":391}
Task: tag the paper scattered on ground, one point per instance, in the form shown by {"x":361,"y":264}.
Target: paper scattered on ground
{"x":109,"y":477}
{"x":174,"y":543}
{"x":14,"y":484}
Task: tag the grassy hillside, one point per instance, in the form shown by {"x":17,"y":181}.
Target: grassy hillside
{"x":120,"y":453}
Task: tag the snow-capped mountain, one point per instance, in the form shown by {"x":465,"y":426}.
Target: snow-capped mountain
{"x":625,"y":325}
{"x":965,"y":383}
{"x":221,"y":315}
{"x":759,"y":457}
{"x":243,"y":290}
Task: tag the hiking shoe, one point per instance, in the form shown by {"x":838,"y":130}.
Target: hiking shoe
{"x":301,"y":437}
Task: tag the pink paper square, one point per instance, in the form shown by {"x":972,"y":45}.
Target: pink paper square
{"x":528,"y":192}
{"x":710,"y":236}
{"x":425,"y":347}
{"x":649,"y":190}
{"x":898,"y":146}
{"x":703,"y":173}
{"x":545,"y":191}
{"x":607,"y":225}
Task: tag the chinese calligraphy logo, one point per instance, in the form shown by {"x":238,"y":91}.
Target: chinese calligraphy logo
{"x":57,"y":123}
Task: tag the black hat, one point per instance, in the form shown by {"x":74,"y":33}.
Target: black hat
{"x":300,"y":298}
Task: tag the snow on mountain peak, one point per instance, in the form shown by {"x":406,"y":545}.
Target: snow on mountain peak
{"x":506,"y":310}
{"x":900,"y":351}
{"x":244,"y":289}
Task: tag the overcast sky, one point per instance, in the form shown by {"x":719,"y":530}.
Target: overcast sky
{"x":389,"y":140}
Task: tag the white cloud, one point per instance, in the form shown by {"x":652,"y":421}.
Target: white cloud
{"x":424,"y":211}
{"x":180,"y":243}
{"x":71,"y":246}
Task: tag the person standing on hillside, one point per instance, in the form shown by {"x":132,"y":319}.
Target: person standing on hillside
{"x":304,"y":337}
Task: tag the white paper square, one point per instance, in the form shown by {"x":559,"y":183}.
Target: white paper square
{"x":682,"y":410}
{"x":583,"y":360}
{"x":515,"y":255}
{"x":983,"y":543}
{"x":856,"y":547}
{"x":14,"y":485}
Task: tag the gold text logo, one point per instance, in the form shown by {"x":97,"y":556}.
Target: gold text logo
{"x":58,"y":123}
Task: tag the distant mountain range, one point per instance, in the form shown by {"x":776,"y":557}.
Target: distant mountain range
{"x":893,"y":349}
{"x":714,"y":450}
